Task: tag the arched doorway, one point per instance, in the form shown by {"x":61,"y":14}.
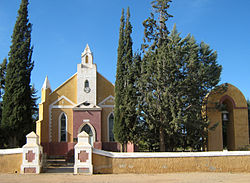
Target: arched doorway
{"x":227,"y":124}
{"x":89,"y":129}
{"x":230,"y":133}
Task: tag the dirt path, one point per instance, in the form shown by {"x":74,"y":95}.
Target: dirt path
{"x":129,"y":178}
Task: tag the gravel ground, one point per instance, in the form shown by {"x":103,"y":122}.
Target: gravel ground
{"x":131,"y":178}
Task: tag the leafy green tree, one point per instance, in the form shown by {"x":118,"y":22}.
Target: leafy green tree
{"x":17,"y":110}
{"x":155,"y":29}
{"x":176,"y":75}
{"x":152,"y":110}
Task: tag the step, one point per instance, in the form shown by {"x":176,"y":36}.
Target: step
{"x":58,"y":165}
{"x":60,"y":170}
{"x":56,"y":157}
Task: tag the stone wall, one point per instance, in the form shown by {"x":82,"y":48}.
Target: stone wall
{"x":10,"y":160}
{"x":153,"y":163}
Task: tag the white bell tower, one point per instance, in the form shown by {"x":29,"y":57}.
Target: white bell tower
{"x":86,"y":79}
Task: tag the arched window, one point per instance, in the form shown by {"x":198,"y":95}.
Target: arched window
{"x":87,"y":59}
{"x":63,"y":128}
{"x":111,"y":127}
{"x":89,"y":131}
{"x":86,"y":84}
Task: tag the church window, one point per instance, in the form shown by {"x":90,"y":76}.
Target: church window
{"x":86,"y":84}
{"x":63,"y":128}
{"x":111,"y":127}
{"x":87,"y":59}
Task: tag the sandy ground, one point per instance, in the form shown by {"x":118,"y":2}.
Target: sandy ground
{"x":128,"y":178}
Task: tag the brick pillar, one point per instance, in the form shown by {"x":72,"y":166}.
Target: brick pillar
{"x":83,"y":155}
{"x":32,"y":155}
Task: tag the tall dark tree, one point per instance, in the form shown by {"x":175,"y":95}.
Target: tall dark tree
{"x":3,"y":68}
{"x":17,"y":115}
{"x":129,"y":99}
{"x":125,"y":101}
{"x":155,"y":36}
{"x":119,"y":122}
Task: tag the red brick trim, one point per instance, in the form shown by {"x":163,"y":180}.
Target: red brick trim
{"x":83,"y":156}
{"x":30,"y":156}
{"x":225,"y":97}
{"x":30,"y":170}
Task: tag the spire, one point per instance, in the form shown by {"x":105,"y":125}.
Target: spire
{"x":86,"y":50}
{"x":87,"y":57}
{"x":46,"y":83}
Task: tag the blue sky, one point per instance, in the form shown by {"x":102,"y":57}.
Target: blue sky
{"x":62,"y":28}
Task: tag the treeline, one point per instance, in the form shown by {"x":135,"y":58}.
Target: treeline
{"x":159,"y":92}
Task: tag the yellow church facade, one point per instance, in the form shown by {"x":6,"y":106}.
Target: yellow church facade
{"x":84,"y":102}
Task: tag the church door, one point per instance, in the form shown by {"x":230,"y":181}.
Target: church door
{"x":89,"y":131}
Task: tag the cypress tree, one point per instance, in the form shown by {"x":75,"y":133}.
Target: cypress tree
{"x":3,"y":67}
{"x":17,"y":98}
{"x":119,"y":123}
{"x":125,"y":100}
{"x":129,"y":98}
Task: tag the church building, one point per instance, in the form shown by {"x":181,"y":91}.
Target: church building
{"x":84,"y":102}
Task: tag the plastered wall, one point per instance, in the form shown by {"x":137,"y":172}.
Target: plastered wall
{"x":10,"y":163}
{"x":104,"y":164}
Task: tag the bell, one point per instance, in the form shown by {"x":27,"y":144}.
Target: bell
{"x":225,"y":116}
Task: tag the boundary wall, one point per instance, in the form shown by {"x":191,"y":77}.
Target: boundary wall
{"x":150,"y":163}
{"x":153,"y":163}
{"x":11,"y":160}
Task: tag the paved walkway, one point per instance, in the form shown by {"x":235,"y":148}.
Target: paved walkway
{"x":129,"y":178}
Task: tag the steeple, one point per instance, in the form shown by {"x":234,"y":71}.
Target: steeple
{"x":46,"y":89}
{"x":86,"y":78}
{"x":87,"y":57}
{"x":46,"y":84}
